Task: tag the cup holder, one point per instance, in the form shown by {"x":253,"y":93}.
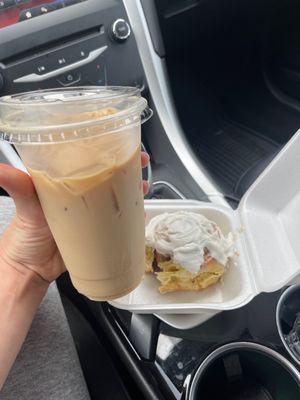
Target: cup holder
{"x":288,"y":320}
{"x":245,"y":371}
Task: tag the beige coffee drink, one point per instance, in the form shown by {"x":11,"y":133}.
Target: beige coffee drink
{"x":95,"y":216}
{"x":88,"y":179}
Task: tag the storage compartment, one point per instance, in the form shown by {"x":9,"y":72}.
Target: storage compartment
{"x":245,"y":371}
{"x":288,"y":321}
{"x":234,"y":69}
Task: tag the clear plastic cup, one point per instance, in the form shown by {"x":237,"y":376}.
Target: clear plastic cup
{"x":82,"y":148}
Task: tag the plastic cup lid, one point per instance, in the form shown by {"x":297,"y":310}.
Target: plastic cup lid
{"x":63,"y":114}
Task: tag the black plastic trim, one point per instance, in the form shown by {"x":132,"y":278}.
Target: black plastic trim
{"x":53,"y":26}
{"x":153,"y":25}
{"x":140,"y":370}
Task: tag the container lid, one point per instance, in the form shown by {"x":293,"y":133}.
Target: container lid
{"x":270,"y":214}
{"x":62,"y":114}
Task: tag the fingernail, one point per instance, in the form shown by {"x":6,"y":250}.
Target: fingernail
{"x":146,"y":187}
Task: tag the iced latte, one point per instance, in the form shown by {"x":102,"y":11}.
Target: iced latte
{"x":87,"y":175}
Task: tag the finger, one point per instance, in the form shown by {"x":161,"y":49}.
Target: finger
{"x":145,"y":159}
{"x":20,"y":187}
{"x":146,"y":187}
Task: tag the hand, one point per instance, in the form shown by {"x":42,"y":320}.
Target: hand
{"x":28,"y":242}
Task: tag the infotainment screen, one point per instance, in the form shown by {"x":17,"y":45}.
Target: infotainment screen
{"x":13,"y":11}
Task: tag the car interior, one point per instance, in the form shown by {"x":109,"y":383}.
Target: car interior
{"x":223,"y":81}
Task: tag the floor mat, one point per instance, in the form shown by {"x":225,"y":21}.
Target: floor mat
{"x":228,"y":152}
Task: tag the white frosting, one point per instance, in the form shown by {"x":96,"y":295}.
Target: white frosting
{"x":184,"y":236}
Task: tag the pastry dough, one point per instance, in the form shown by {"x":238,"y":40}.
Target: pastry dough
{"x":186,"y":251}
{"x":174,"y":278}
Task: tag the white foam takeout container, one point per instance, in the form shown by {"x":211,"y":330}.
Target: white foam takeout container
{"x":269,"y":247}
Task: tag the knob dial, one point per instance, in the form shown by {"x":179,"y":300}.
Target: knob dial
{"x":120,"y":30}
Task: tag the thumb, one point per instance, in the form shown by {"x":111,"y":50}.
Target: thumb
{"x":20,"y":187}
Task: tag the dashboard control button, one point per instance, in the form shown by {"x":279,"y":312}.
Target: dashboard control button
{"x":120,"y":30}
{"x":6,"y":4}
{"x":35,"y":12}
{"x":70,"y":78}
{"x":33,"y":77}
{"x":46,"y":8}
{"x":41,"y":68}
{"x":28,"y":14}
